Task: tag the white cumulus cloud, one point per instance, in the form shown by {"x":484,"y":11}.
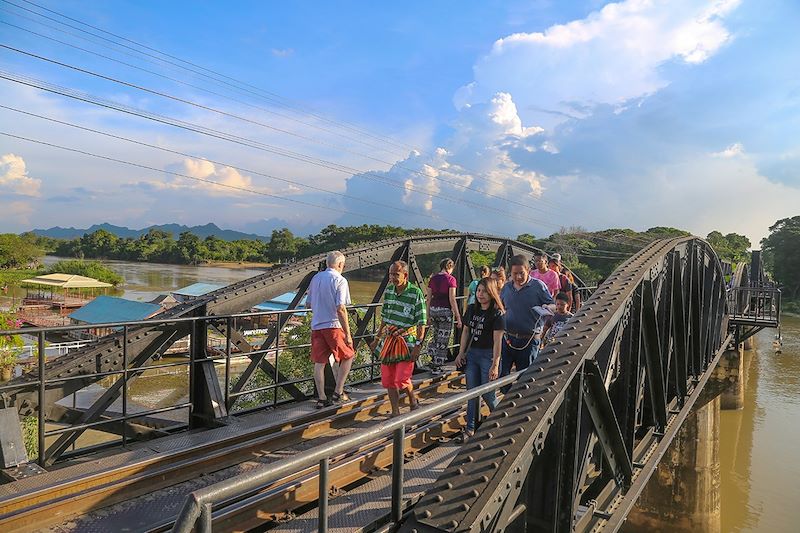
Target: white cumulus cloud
{"x":733,"y":150}
{"x":213,"y":179}
{"x":451,"y":180}
{"x":14,"y":176}
{"x":609,"y":57}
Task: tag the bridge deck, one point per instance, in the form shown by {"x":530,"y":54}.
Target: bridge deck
{"x":370,"y":505}
{"x":116,"y":511}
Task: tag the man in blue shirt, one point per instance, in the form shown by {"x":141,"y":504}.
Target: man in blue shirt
{"x":523,"y":323}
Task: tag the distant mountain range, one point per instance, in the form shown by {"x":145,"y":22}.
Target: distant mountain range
{"x":176,"y":229}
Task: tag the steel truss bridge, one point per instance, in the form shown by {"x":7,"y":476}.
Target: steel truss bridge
{"x":569,"y":448}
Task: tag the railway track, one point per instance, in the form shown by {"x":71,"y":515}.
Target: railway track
{"x":145,"y":494}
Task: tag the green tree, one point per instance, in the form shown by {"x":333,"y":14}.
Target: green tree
{"x":190,"y":249}
{"x":10,"y":345}
{"x":731,"y":247}
{"x":100,"y":244}
{"x":781,"y":249}
{"x":284,"y":245}
{"x":16,"y":252}
{"x":89,"y":269}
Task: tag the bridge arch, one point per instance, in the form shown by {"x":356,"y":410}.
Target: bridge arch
{"x":574,"y":440}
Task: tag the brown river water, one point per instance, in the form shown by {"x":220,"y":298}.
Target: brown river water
{"x":760,"y":475}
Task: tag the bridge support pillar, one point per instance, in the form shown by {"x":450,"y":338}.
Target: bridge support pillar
{"x":730,"y":377}
{"x":683,"y":493}
{"x":748,"y":343}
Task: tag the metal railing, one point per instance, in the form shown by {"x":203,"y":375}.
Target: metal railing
{"x":51,"y":350}
{"x":266,"y":391}
{"x":260,"y":396}
{"x":755,"y":304}
{"x":197,"y":510}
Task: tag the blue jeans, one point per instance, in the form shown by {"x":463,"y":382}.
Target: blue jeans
{"x":518,"y":358}
{"x":479,"y":362}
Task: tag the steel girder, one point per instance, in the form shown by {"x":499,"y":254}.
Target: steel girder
{"x":572,"y":443}
{"x":77,"y":368}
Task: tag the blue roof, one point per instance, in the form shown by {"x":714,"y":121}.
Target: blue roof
{"x":112,"y":309}
{"x":279,"y":303}
{"x":198,"y":289}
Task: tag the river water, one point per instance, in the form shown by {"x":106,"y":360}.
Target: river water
{"x":759,"y":469}
{"x":145,"y":281}
{"x":760,"y":475}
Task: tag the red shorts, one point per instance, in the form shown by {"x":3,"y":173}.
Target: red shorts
{"x":325,"y":342}
{"x":397,"y":375}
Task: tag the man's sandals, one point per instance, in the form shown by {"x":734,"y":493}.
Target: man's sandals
{"x":323,"y":403}
{"x":343,"y":397}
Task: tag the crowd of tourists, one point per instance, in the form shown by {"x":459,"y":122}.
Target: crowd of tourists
{"x":506,"y":321}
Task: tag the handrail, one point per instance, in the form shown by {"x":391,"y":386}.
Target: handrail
{"x":197,"y":507}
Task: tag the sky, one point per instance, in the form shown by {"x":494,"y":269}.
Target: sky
{"x":501,"y":117}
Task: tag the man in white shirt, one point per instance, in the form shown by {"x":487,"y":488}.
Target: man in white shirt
{"x":328,"y":297}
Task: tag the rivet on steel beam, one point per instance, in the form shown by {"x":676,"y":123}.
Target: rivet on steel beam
{"x":495,"y":464}
{"x":475,"y":493}
{"x":527,"y":418}
{"x":513,"y":403}
{"x":448,"y":485}
{"x":439,"y":498}
{"x":503,"y":453}
{"x":427,"y":514}
{"x":469,"y":459}
{"x":511,"y":440}
{"x":495,"y":424}
{"x":535,"y":408}
{"x":485,"y":478}
{"x":460,"y":471}
{"x":453,"y":523}
{"x":464,"y":507}
{"x":522,"y":429}
{"x":489,"y":435}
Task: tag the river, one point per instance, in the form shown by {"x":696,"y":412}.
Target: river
{"x":145,"y":281}
{"x":759,"y":471}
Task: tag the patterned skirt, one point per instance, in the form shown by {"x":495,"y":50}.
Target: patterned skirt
{"x":442,"y":327}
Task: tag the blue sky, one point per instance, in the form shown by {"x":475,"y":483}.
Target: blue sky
{"x":499,"y":117}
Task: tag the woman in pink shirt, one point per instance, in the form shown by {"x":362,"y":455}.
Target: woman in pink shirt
{"x":442,"y":309}
{"x":546,"y":276}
